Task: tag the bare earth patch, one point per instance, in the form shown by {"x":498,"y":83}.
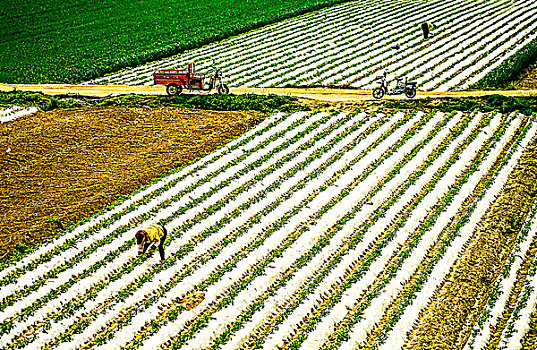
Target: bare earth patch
{"x":59,"y":167}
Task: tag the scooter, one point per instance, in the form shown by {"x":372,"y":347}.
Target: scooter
{"x":216,"y":81}
{"x":402,"y":87}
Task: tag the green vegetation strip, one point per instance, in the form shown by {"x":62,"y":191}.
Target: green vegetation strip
{"x":499,"y":103}
{"x":214,"y":102}
{"x":510,"y":70}
{"x":483,"y":55}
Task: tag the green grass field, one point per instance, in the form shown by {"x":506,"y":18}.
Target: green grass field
{"x":45,"y":41}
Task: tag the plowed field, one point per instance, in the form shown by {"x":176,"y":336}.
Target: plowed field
{"x":61,"y":166}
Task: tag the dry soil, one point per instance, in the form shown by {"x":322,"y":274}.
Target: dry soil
{"x":59,"y":167}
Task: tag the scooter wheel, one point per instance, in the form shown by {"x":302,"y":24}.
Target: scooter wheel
{"x":223,"y":89}
{"x":410,"y":93}
{"x":378,"y":93}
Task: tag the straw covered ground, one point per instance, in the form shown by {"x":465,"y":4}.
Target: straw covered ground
{"x":61,"y":166}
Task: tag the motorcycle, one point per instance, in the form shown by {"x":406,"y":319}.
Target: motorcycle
{"x":402,"y":87}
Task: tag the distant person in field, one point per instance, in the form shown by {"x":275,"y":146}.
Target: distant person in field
{"x":151,"y":236}
{"x":427,"y":28}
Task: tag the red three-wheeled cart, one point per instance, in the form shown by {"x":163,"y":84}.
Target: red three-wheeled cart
{"x":176,"y":80}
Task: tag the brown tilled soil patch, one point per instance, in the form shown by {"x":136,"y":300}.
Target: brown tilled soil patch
{"x":59,"y":167}
{"x":446,"y":322}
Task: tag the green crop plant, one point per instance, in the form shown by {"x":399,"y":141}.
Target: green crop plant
{"x":72,"y":41}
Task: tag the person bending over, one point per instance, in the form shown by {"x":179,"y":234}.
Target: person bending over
{"x":151,"y":236}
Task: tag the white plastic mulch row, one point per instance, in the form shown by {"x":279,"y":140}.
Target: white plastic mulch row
{"x":15,"y":112}
{"x":519,"y":327}
{"x":352,"y":42}
{"x":350,"y":153}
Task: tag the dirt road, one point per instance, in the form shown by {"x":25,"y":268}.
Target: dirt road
{"x":321,"y":94}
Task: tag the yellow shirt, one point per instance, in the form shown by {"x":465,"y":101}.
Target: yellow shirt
{"x":154,"y":233}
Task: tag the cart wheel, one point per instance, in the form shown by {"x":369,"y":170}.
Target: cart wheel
{"x":378,"y":93}
{"x":173,"y":89}
{"x":223,"y":89}
{"x":410,"y":93}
